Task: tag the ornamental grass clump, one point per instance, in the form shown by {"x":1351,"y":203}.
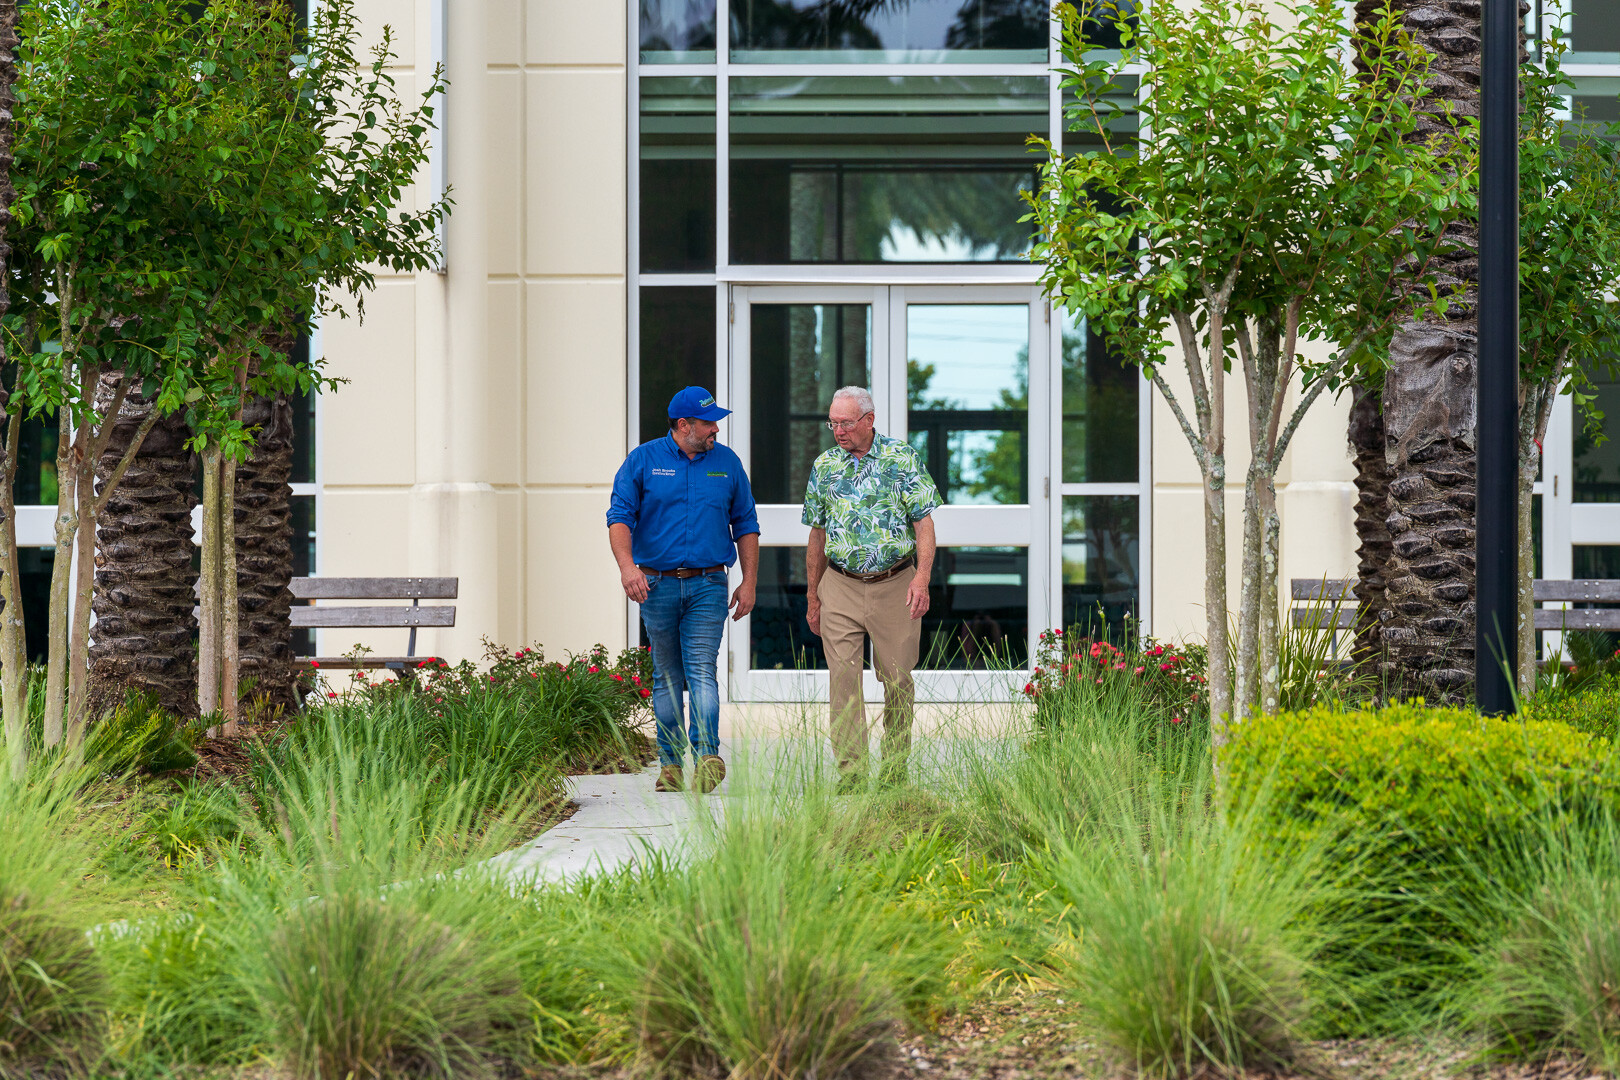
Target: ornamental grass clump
{"x":776,"y":956}
{"x":53,"y":988}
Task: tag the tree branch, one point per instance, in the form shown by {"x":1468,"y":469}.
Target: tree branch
{"x":1199,"y":450}
{"x":1311,"y":394}
{"x":128,"y":459}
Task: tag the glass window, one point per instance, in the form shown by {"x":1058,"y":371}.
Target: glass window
{"x":677,"y":31}
{"x":1100,"y":408}
{"x":1101,"y":563}
{"x":779,"y":635}
{"x":34,"y":583}
{"x":872,"y":31}
{"x":800,"y":354}
{"x":36,"y":461}
{"x":967,"y":398}
{"x":677,"y":349}
{"x":677,"y":175}
{"x":1594,"y":27}
{"x":978,"y":611}
{"x":1597,"y":466}
{"x":303,"y":422}
{"x":303,"y":560}
{"x":882,"y":169}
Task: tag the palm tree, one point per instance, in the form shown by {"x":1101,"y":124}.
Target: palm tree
{"x":1428,"y":409}
{"x":144,"y":632}
{"x":264,"y":551}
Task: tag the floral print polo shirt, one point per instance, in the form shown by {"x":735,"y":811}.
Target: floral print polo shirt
{"x":867,"y":504}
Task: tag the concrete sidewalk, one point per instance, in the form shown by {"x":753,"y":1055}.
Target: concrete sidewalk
{"x":622,"y":821}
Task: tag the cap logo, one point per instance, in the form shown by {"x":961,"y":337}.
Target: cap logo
{"x":705,"y":403}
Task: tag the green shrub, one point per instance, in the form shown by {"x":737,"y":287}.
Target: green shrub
{"x":1593,"y":708}
{"x":140,"y":736}
{"x":197,"y":817}
{"x":1418,"y":797}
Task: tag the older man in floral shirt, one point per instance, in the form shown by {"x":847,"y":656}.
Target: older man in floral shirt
{"x":868,"y":504}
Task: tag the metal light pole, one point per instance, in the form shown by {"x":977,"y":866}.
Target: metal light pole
{"x":1496,"y":525}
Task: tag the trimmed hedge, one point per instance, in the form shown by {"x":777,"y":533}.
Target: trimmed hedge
{"x":1425,"y":807}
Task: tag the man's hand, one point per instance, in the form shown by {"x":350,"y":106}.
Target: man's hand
{"x":917,"y":596}
{"x":812,"y":616}
{"x":742,"y":600}
{"x":634,"y":582}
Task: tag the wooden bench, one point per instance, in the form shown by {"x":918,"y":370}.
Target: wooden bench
{"x":413,"y":615}
{"x":1317,"y":601}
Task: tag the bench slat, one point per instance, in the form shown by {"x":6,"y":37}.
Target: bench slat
{"x":373,"y":616}
{"x":1578,"y":619}
{"x":1304,"y":617}
{"x":374,"y":588}
{"x":1578,"y":590}
{"x":1312,"y":588}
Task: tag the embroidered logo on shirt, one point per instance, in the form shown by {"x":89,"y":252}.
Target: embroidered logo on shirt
{"x":663,"y":472}
{"x":719,"y":474}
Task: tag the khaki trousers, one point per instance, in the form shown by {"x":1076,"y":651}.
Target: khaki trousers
{"x":851,"y":612}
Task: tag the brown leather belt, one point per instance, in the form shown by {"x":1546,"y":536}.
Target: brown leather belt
{"x":882,"y":575}
{"x":682,"y":573}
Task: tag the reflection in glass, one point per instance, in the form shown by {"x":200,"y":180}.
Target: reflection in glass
{"x":882,"y":169}
{"x":1593,"y":104}
{"x":1100,"y":407}
{"x":978,"y":613}
{"x":677,"y":175}
{"x":1101,"y":563}
{"x":1116,"y":109}
{"x":779,"y":636}
{"x":677,"y":31}
{"x":1597,"y":467}
{"x":36,"y":461}
{"x":303,"y":558}
{"x":1594,"y":28}
{"x":967,"y":399}
{"x":677,"y":349}
{"x":893,"y":31}
{"x":800,"y":354}
{"x":1601,"y":561}
{"x":34,"y":582}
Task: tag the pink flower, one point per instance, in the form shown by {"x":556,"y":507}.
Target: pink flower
{"x":636,"y":679}
{"x":1140,"y":670}
{"x":331,"y":693}
{"x":594,"y":669}
{"x":1175,"y":719}
{"x":438,"y":699}
{"x":1166,"y":667}
{"x":1096,"y":649}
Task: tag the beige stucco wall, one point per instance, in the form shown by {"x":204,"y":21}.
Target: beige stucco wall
{"x":484,"y":413}
{"x":1315,"y":497}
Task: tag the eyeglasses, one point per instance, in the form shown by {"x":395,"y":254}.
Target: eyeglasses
{"x":846,"y":425}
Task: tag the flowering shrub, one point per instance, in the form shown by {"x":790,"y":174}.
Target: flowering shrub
{"x":1161,"y":676}
{"x":590,"y":705}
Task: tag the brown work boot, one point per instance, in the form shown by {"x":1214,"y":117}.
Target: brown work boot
{"x":670,"y":779}
{"x":710,"y":771}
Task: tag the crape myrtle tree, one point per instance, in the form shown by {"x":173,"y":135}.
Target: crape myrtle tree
{"x":1569,"y":277}
{"x":183,"y":198}
{"x":1267,"y":200}
{"x":320,"y":160}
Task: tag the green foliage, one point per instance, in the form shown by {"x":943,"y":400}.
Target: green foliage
{"x":1415,"y":796}
{"x":1592,"y":707}
{"x":140,"y":736}
{"x":1167,"y":680}
{"x":191,"y":824}
{"x":53,"y":988}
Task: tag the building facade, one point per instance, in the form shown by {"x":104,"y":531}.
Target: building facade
{"x":773,"y":198}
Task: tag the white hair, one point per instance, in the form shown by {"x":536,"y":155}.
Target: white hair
{"x":859,"y":395}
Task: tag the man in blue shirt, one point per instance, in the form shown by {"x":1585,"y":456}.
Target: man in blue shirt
{"x":682,"y":512}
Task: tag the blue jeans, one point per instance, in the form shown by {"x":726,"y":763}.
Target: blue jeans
{"x":684,"y":621}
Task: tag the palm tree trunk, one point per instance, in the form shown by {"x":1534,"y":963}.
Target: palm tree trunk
{"x":144,"y":596}
{"x":264,"y":552}
{"x":1372,"y":530}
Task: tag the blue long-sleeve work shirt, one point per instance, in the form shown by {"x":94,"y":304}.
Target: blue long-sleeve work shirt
{"x":682,"y":511}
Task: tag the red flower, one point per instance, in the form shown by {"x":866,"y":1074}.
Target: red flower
{"x":1029,"y":689}
{"x":1140,"y":670}
{"x":1058,"y":632}
{"x":1175,"y":719}
{"x":438,"y":699}
{"x":646,"y":693}
{"x":594,"y":669}
{"x":331,"y":693}
{"x":1096,"y":649}
{"x":636,"y":679}
{"x":618,"y":678}
{"x":1166,"y":667}
{"x":421,"y":663}
{"x":314,"y":663}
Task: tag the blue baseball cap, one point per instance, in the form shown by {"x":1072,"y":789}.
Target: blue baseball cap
{"x":696,"y":403}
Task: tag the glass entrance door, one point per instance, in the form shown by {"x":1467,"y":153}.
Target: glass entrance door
{"x":951,"y":370}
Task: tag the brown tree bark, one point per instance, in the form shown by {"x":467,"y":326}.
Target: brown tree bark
{"x":144,"y":596}
{"x":1372,"y":531}
{"x":264,"y":558}
{"x":13,"y":645}
{"x":1429,"y":406}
